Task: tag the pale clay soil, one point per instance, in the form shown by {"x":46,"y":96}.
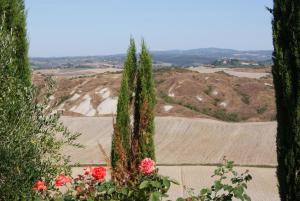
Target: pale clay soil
{"x":188,"y":148}
{"x":233,"y":72}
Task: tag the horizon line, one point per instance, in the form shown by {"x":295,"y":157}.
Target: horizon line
{"x":165,"y":50}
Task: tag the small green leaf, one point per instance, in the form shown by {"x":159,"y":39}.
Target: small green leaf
{"x":154,"y":196}
{"x":110,"y":191}
{"x":155,"y":184}
{"x":247,"y":198}
{"x":130,"y":193}
{"x":203,"y":191}
{"x":238,"y":192}
{"x":144,"y":184}
{"x":174,"y":181}
{"x":166,"y":183}
{"x":218,"y":185}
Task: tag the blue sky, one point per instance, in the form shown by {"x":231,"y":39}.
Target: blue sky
{"x":101,"y":27}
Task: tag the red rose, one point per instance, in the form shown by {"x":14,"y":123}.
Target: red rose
{"x":147,"y":166}
{"x":39,"y":185}
{"x":78,"y":189}
{"x":88,"y":170}
{"x":99,"y":173}
{"x":62,"y":180}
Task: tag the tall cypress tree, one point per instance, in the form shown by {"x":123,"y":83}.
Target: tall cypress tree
{"x":122,"y":128}
{"x":130,"y":66}
{"x":15,"y":22}
{"x":286,"y":75}
{"x":143,"y":142}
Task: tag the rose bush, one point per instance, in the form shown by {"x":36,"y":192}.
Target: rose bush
{"x":62,"y":180}
{"x":39,"y":186}
{"x":91,"y":185}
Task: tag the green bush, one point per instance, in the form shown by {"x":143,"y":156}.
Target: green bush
{"x":229,"y":185}
{"x":261,"y":109}
{"x":30,"y":141}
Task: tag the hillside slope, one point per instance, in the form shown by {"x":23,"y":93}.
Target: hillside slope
{"x":185,"y":141}
{"x":227,"y":95}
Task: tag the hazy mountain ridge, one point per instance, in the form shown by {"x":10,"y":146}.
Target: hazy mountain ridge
{"x":190,"y":57}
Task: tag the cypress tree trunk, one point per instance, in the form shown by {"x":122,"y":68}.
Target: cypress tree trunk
{"x":286,"y":75}
{"x":122,"y":128}
{"x":15,"y":21}
{"x":143,"y":142}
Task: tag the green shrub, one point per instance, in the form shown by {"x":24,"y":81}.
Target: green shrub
{"x":228,"y":186}
{"x":225,"y":116}
{"x":62,"y":99}
{"x":208,"y":90}
{"x":30,"y":141}
{"x":261,"y":109}
{"x":245,"y":98}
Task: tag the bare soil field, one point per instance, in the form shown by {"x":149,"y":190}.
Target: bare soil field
{"x":188,"y":149}
{"x":185,"y":141}
{"x":238,"y":72}
{"x":214,"y":94}
{"x":76,"y":71}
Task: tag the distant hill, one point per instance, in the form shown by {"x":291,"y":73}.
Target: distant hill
{"x":192,"y":57}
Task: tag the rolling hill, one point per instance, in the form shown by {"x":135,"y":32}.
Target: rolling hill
{"x":165,"y":58}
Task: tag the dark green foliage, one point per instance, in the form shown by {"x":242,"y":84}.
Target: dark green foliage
{"x":245,"y":97}
{"x":130,"y":66}
{"x":286,"y":75}
{"x":14,"y":15}
{"x":122,"y":126}
{"x":130,"y":146}
{"x":144,"y":106}
{"x":30,"y":140}
{"x":262,"y":109}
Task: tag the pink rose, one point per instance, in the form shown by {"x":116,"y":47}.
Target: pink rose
{"x":39,"y":185}
{"x":147,"y":166}
{"x":99,"y":173}
{"x":62,"y":180}
{"x":88,"y":170}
